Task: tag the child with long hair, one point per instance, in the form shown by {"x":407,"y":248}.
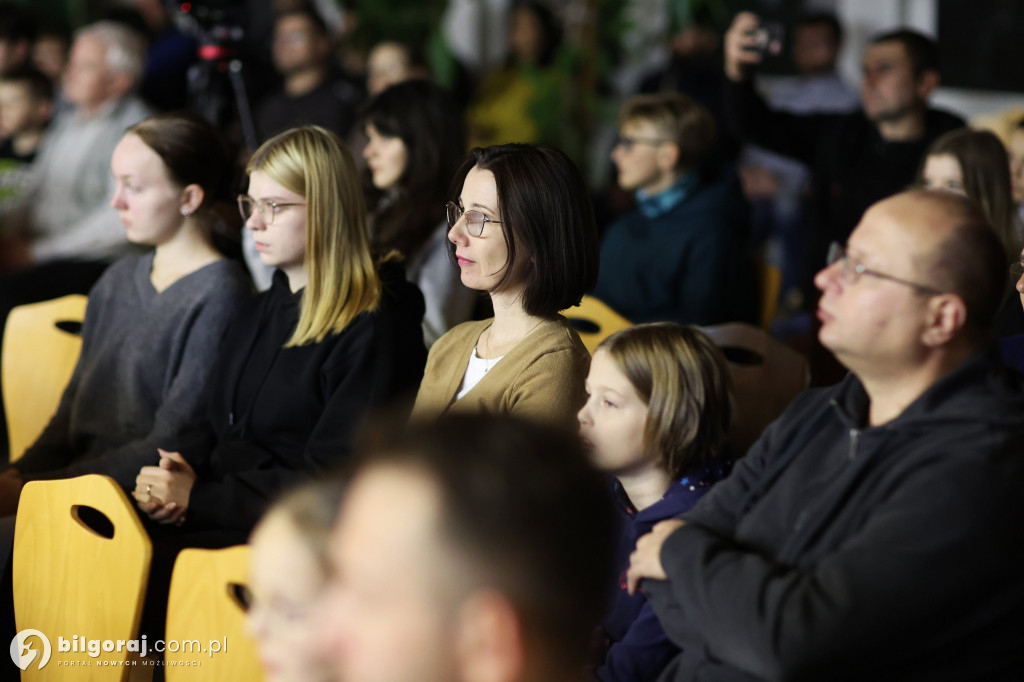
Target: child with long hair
{"x":657,"y":416}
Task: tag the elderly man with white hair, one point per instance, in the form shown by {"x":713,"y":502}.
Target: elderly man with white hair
{"x":65,"y":214}
{"x":64,"y":233}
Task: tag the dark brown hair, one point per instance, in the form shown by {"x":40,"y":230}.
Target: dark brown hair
{"x":547,"y":220}
{"x":424,"y":116}
{"x":192,"y":150}
{"x":985,"y":167}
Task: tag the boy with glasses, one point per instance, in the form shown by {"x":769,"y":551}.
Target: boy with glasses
{"x":679,"y":255}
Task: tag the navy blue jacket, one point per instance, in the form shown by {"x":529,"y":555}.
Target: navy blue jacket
{"x":688,"y":265}
{"x":637,"y":649}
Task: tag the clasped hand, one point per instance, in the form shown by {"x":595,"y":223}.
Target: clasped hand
{"x":162,"y":491}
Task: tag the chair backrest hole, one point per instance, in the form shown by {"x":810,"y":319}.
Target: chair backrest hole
{"x":93,"y":520}
{"x":584,"y":326}
{"x":742,"y":356}
{"x":69,"y":326}
{"x":240,"y":595}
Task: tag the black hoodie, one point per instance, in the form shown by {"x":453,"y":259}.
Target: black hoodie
{"x":837,"y":551}
{"x":277,"y":416}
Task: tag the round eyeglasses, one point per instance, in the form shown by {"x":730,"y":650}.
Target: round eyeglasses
{"x":267,"y":208}
{"x":475,"y":220}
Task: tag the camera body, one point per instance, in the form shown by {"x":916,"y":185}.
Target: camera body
{"x":769,"y":39}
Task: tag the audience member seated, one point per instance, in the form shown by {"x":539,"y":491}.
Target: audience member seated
{"x":50,"y":52}
{"x":856,"y":158}
{"x":1013,"y":346}
{"x":17,"y":33}
{"x":68,"y":234}
{"x":314,"y":93}
{"x":679,"y":256}
{"x":300,"y":367}
{"x":153,"y":322}
{"x":524,"y":232}
{"x":471,"y":550}
{"x":290,"y":569}
{"x":415,"y":141}
{"x":522,"y":100}
{"x":657,"y":418}
{"x":868,"y":533}
{"x":26,"y":104}
{"x":390,"y":63}
{"x":974,"y":163}
{"x":62,"y":235}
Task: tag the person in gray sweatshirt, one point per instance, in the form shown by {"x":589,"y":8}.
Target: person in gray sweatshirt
{"x":153,"y":322}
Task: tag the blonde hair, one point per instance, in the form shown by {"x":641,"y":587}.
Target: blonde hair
{"x":343,"y":281}
{"x":684,"y":379}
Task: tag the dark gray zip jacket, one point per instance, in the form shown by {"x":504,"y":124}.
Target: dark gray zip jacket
{"x":836,"y":551}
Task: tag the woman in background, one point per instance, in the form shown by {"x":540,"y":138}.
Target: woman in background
{"x":416,"y":141}
{"x":975,"y":163}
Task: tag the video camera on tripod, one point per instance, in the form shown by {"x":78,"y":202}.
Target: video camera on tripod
{"x":219,"y":27}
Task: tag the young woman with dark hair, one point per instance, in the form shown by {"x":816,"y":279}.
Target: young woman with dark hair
{"x":153,"y":322}
{"x":523,"y":230}
{"x":416,"y":141}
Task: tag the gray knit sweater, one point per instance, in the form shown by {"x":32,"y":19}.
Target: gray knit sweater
{"x":145,"y":360}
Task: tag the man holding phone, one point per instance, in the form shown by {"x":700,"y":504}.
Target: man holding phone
{"x":857,"y":158}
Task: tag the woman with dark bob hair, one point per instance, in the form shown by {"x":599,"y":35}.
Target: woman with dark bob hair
{"x":523,"y":231}
{"x":416,"y":141}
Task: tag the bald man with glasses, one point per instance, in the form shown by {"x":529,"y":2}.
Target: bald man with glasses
{"x":874,"y":531}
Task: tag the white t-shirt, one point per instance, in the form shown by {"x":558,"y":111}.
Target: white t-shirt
{"x":475,"y":371}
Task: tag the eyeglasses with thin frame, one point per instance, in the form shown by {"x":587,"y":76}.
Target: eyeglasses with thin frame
{"x":851,"y":272}
{"x":627,"y":142}
{"x":267,"y":208}
{"x":475,"y":220}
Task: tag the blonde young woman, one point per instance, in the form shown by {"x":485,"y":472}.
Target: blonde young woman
{"x":523,"y":231}
{"x":305,"y":361}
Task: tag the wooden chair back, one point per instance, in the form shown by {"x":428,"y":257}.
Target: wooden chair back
{"x":40,"y":349}
{"x":71,"y":579}
{"x":205,"y":606}
{"x":595,"y":321}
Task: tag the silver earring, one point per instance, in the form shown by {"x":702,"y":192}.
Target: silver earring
{"x":185,"y":212}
